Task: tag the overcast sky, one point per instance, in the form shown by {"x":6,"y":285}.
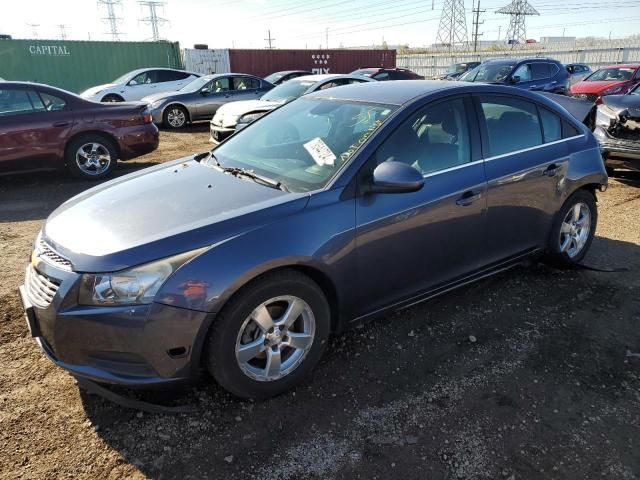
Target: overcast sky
{"x":308,"y":24}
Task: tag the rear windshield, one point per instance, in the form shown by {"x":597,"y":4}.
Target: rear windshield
{"x":288,"y":91}
{"x":365,"y":72}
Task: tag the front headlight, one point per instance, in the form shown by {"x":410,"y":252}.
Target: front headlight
{"x":137,"y":285}
{"x":156,"y":104}
{"x":613,"y":90}
{"x":250,"y":117}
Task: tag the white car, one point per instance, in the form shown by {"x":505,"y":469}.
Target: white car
{"x":140,"y":83}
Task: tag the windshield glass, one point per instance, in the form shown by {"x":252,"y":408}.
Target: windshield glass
{"x":123,"y":78}
{"x":274,"y":77}
{"x":365,"y":72}
{"x":636,"y":90}
{"x":488,"y":73}
{"x":620,"y":74}
{"x":287,"y":91}
{"x":304,"y":143}
{"x":195,"y":85}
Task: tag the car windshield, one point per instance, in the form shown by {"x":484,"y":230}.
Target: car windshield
{"x":365,"y":72}
{"x":488,"y":72}
{"x":620,"y":74}
{"x":635,"y":90}
{"x":195,"y":85}
{"x":288,"y":91}
{"x":274,"y":77}
{"x":124,"y":78}
{"x":304,"y":143}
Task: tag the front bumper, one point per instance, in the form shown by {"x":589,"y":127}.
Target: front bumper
{"x":219,"y":133}
{"x":128,"y":345}
{"x":618,"y":152}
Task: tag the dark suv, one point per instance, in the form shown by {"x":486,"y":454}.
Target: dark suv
{"x":381,"y":74}
{"x":543,"y":74}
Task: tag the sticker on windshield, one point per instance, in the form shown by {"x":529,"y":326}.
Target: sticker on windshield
{"x":320,"y":152}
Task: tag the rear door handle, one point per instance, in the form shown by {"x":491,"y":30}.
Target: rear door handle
{"x":551,"y":170}
{"x":468,"y":198}
{"x":61,"y":124}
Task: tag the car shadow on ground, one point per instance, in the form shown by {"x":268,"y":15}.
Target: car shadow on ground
{"x":511,"y":377}
{"x":35,"y":195}
{"x":198,"y":127}
{"x":628,"y":177}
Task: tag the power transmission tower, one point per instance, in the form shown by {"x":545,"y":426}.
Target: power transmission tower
{"x":476,"y":24}
{"x":153,"y":19}
{"x":63,"y":31}
{"x":518,"y":10}
{"x":34,"y":29}
{"x":269,"y":40}
{"x":111,"y":17}
{"x":452,"y":29}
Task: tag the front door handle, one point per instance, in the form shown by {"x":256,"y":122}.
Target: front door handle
{"x":468,"y":198}
{"x":551,"y":170}
{"x":532,"y":87}
{"x":61,"y":124}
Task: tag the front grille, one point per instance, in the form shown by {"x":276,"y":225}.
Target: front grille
{"x":592,"y":97}
{"x":50,"y":255}
{"x":40,"y":288}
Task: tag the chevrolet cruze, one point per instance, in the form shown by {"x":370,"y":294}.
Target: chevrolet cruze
{"x":333,"y":209}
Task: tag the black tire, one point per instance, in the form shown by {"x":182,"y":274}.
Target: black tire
{"x":554,"y":250}
{"x":105,"y":145}
{"x":220,"y":345}
{"x":112,"y":98}
{"x":176,"y":110}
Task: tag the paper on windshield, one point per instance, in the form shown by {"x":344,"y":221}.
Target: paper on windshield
{"x":320,"y":152}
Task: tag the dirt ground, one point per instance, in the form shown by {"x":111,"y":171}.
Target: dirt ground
{"x":530,"y":374}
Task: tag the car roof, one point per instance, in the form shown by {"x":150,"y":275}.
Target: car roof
{"x":230,"y":74}
{"x":324,"y":76}
{"x":140,"y":70}
{"x":285,"y":72}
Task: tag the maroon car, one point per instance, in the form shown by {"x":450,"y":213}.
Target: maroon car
{"x":45,"y":128}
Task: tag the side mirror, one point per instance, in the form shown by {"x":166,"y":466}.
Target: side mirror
{"x":515,"y":79}
{"x":395,"y":177}
{"x":133,"y":82}
{"x":204,"y":91}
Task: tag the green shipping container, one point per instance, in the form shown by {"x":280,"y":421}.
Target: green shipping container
{"x":78,"y":65}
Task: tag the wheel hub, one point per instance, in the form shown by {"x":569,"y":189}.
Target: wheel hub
{"x":275,"y":338}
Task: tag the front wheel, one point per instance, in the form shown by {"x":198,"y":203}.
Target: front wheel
{"x":573,"y":229}
{"x":175,"y":116}
{"x":269,"y":336}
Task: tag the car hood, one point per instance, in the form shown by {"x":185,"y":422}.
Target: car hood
{"x":628,"y":105}
{"x":93,"y":90}
{"x":237,"y":109}
{"x":595,"y":87}
{"x":159,"y":212}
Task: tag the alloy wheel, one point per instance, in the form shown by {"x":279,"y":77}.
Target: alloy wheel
{"x":176,"y":117}
{"x":575,"y":229}
{"x":93,"y":158}
{"x":275,"y":338}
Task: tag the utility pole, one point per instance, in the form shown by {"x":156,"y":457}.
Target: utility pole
{"x":34,"y":29}
{"x":63,"y":31}
{"x":326,"y":33}
{"x":476,"y":24}
{"x":153,"y":19}
{"x":112,"y":19}
{"x":269,"y":40}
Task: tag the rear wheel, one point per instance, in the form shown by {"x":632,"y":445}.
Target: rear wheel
{"x":175,"y":116}
{"x":91,"y":156}
{"x":112,"y":98}
{"x":269,"y":336}
{"x":573,"y":229}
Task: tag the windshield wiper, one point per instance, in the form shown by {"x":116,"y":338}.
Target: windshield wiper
{"x":245,"y":172}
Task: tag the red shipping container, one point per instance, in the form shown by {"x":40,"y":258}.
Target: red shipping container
{"x":265,"y":62}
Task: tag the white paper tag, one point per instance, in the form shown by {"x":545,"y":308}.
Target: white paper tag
{"x":320,"y":152}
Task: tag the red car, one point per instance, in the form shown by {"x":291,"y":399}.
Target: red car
{"x":611,"y":80}
{"x":45,"y":128}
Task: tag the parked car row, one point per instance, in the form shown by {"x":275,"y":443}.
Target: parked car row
{"x":280,"y":236}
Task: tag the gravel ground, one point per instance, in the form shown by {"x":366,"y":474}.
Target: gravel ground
{"x":530,"y":374}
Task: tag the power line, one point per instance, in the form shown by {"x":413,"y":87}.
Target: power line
{"x":112,"y":19}
{"x":517,"y":11}
{"x":452,"y":29}
{"x":153,"y":19}
{"x":476,"y":24}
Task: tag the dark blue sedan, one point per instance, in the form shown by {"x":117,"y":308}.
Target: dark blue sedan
{"x":336,"y":208}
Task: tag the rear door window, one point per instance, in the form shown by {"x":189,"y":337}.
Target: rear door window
{"x":245,"y":83}
{"x":540,"y":71}
{"x":51,"y":102}
{"x":511,"y":124}
{"x":17,"y":102}
{"x":381,"y":76}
